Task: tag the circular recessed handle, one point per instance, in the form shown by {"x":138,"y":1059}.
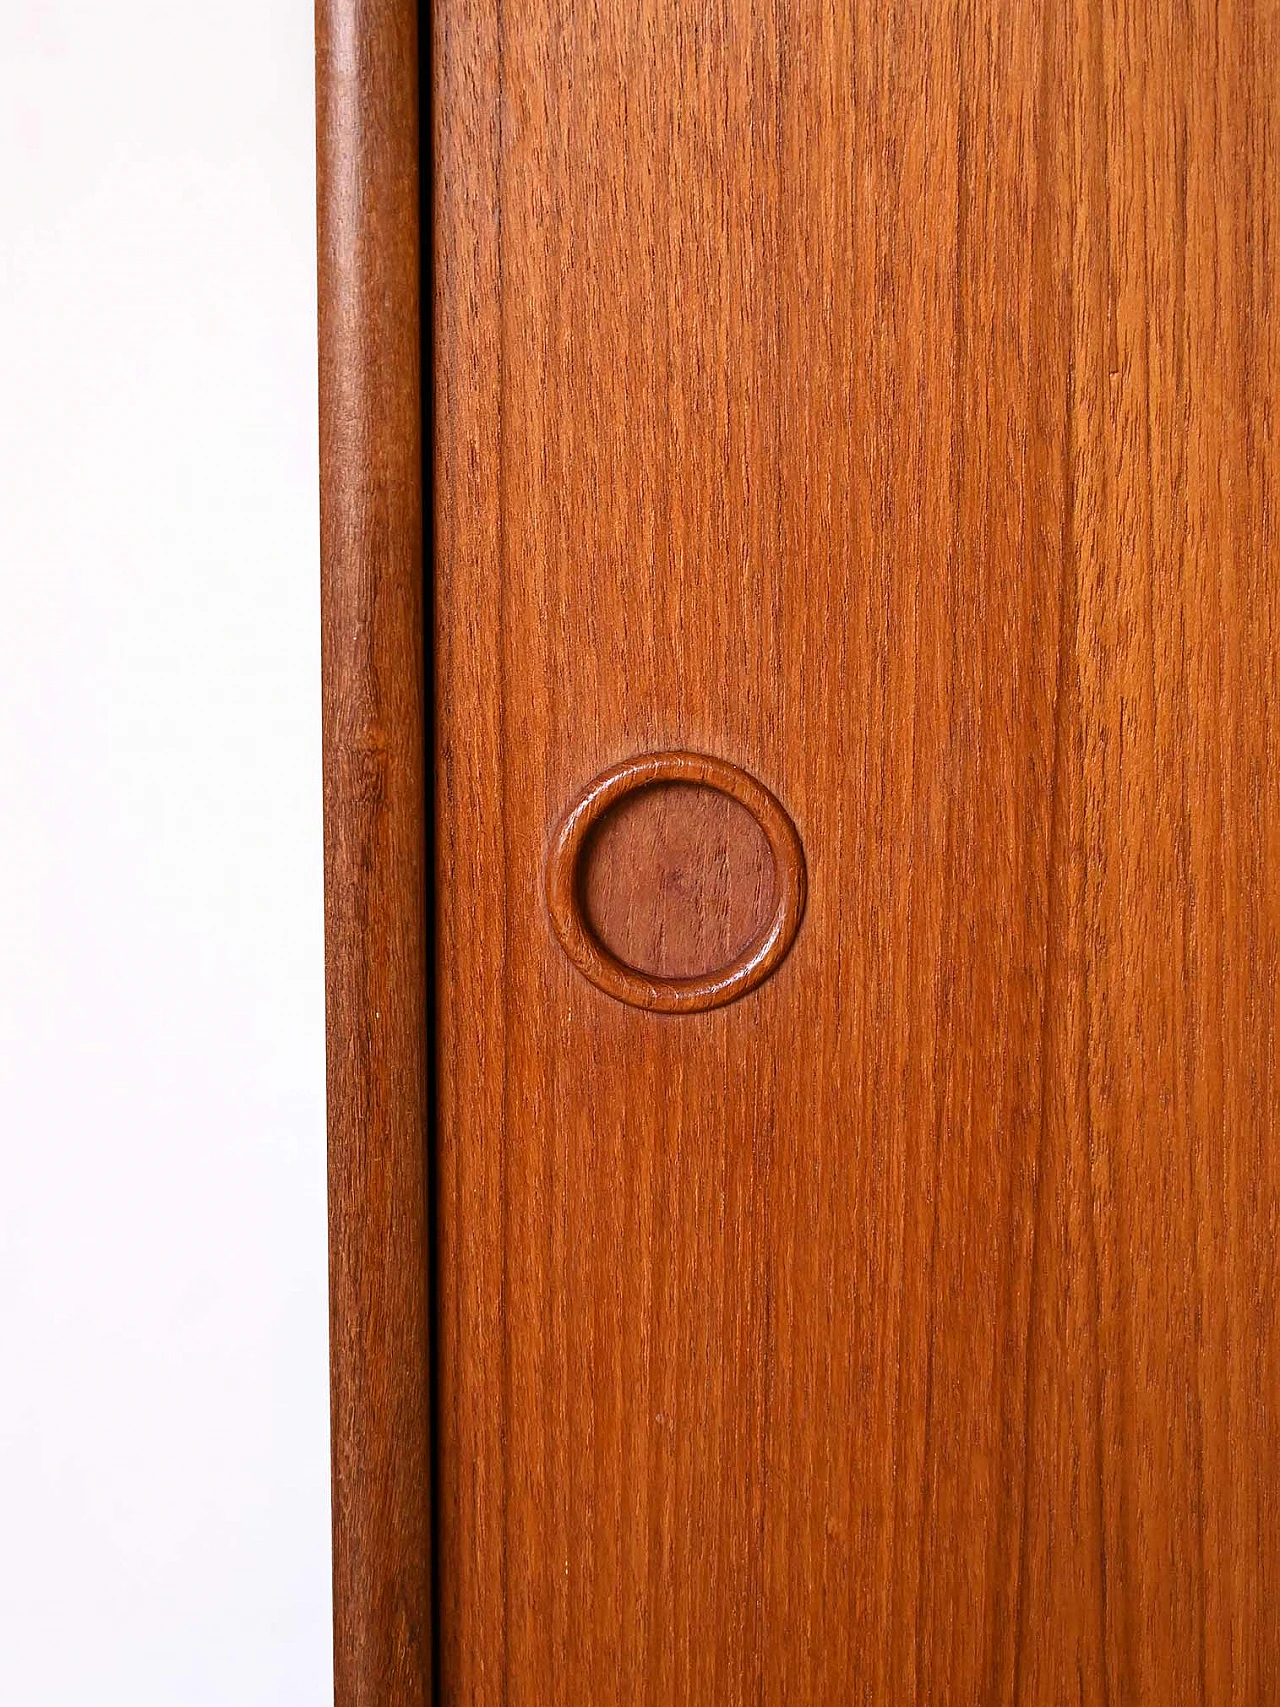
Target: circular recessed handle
{"x":641,"y":989}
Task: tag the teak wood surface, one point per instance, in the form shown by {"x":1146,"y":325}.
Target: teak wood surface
{"x":372,"y":634}
{"x":883,"y":398}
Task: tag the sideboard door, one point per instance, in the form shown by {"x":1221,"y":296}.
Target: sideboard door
{"x":855,"y":486}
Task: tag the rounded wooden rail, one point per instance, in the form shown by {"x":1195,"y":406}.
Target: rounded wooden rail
{"x":376,"y":849}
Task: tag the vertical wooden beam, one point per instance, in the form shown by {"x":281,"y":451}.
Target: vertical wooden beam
{"x":375,"y":854}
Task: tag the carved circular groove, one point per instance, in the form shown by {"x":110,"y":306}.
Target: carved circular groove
{"x":582,"y":943}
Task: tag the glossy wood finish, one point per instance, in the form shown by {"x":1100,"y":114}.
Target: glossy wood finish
{"x":882,"y":398}
{"x":375,"y":856}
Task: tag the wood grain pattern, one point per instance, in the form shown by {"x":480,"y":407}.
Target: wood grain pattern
{"x":375,"y":855}
{"x":677,"y":880}
{"x":568,"y":885}
{"x":883,"y":398}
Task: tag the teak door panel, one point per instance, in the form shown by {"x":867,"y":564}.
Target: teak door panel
{"x":881,"y":400}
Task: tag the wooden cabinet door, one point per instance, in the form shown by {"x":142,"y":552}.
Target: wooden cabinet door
{"x":853,"y":483}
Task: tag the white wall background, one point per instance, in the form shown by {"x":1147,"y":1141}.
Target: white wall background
{"x":163,"y":1386}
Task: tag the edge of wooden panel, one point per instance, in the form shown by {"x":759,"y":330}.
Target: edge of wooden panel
{"x":376,"y":924}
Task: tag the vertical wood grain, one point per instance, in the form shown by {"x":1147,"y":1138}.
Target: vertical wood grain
{"x":882,"y":398}
{"x":706,"y":861}
{"x":375,"y":855}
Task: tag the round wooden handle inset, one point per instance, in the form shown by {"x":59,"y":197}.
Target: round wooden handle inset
{"x":581,"y":942}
